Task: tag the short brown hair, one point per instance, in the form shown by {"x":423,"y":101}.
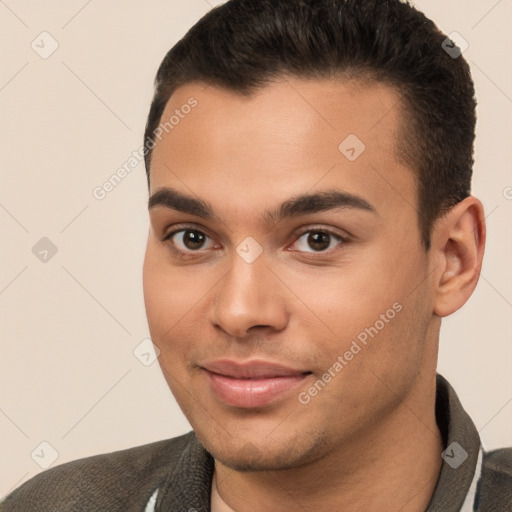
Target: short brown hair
{"x":243,"y":45}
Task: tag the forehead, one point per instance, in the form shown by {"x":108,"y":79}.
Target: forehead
{"x":288,"y":138}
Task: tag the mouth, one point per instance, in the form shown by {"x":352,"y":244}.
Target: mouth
{"x":251,"y":384}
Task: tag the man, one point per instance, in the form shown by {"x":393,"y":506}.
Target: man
{"x":309,"y":168}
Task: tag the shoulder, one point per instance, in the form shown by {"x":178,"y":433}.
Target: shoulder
{"x":497,"y":465}
{"x":113,"y":481}
{"x":495,"y":486}
{"x":499,"y":462}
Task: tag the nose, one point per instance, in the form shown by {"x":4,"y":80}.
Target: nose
{"x":249,"y":295}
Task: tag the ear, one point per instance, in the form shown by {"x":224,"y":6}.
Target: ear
{"x":458,"y":244}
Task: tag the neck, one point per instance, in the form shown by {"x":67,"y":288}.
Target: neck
{"x":390,"y":466}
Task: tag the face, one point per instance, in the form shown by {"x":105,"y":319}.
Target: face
{"x":285,"y":282}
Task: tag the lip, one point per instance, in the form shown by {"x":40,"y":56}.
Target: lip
{"x":253,"y":369}
{"x":253,"y":383}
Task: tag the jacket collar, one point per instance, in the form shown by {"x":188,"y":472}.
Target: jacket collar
{"x":460,"y":438}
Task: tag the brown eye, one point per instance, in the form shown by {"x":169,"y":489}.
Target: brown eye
{"x":319,"y":241}
{"x":191,"y":240}
{"x":313,"y":241}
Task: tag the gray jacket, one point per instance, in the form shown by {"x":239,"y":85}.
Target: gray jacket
{"x":181,"y":469}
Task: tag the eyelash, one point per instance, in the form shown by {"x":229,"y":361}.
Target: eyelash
{"x":196,"y":254}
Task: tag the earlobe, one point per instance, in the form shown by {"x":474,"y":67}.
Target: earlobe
{"x":458,"y":243}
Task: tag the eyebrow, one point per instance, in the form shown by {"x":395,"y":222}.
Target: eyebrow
{"x":319,"y":201}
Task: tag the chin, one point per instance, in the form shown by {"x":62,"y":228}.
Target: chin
{"x":248,"y":456}
{"x":244,"y":462}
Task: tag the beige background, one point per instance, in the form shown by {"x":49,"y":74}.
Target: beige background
{"x":68,"y":375}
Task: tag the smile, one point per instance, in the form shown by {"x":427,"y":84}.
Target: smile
{"x":251,"y":384}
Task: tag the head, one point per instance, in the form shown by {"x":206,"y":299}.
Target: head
{"x":319,"y":156}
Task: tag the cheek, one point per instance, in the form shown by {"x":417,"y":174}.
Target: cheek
{"x":364,"y":309}
{"x":164,"y":296}
{"x":164,"y":306}
{"x":346,"y":299}
{"x":168,"y":292}
{"x":175,"y":304}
